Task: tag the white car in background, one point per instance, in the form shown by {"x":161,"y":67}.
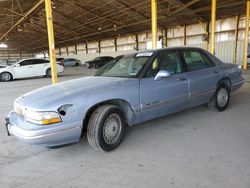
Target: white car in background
{"x":28,"y":68}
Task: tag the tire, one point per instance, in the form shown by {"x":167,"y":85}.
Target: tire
{"x":106,"y":128}
{"x":96,"y":66}
{"x":77,"y":65}
{"x":220,"y":99}
{"x":48,"y":73}
{"x":6,"y":76}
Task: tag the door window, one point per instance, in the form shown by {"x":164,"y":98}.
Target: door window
{"x":167,"y":60}
{"x":196,"y":60}
{"x":25,"y":63}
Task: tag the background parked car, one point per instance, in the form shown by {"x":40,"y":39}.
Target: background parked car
{"x":27,"y":68}
{"x":98,"y":62}
{"x":71,"y":62}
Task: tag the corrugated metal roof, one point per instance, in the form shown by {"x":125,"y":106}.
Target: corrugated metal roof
{"x":86,"y":20}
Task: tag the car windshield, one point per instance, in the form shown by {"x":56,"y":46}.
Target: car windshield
{"x":127,"y":66}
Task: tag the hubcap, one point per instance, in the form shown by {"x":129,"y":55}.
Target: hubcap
{"x":112,"y":128}
{"x":222,"y":97}
{"x":5,"y":76}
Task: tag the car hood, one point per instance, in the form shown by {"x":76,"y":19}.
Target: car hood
{"x":72,"y":89}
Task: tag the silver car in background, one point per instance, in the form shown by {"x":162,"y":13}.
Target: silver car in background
{"x":133,"y":89}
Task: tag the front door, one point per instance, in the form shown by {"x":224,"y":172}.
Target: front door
{"x":167,"y":95}
{"x":24,"y":69}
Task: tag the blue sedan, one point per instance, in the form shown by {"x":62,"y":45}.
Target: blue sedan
{"x":132,"y":89}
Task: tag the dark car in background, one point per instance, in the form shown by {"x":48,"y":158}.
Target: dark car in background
{"x":98,"y":62}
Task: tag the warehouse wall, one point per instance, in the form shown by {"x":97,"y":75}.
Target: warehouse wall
{"x":13,"y":55}
{"x":224,"y":47}
{"x":224,"y":38}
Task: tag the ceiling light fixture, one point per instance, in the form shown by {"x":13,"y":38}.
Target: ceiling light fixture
{"x":2,"y":45}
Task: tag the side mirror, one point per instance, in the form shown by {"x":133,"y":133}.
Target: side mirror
{"x":162,"y":74}
{"x":17,"y":65}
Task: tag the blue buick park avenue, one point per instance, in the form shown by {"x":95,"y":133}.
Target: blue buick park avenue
{"x":133,"y":88}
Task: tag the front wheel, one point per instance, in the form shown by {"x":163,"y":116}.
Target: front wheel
{"x":106,"y":128}
{"x":5,"y":77}
{"x":221,"y":98}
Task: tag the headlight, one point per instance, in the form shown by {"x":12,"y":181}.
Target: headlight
{"x":42,"y":118}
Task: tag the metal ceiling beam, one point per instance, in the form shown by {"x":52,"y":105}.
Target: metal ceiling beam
{"x":86,"y":35}
{"x":183,"y":7}
{"x":22,"y":19}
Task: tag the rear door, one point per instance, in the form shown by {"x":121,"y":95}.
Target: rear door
{"x":25,"y":69}
{"x":203,"y":76}
{"x":40,"y":66}
{"x":167,"y":95}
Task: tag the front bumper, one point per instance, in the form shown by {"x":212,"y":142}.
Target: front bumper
{"x":237,"y":85}
{"x":60,"y":134}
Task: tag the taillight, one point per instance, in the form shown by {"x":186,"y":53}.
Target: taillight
{"x":61,"y":63}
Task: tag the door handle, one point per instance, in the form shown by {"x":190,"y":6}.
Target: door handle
{"x":29,"y":66}
{"x":181,"y":79}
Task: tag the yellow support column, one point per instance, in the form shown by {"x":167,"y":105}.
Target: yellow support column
{"x":246,"y":35}
{"x":213,"y":17}
{"x":50,"y":31}
{"x":154,"y":23}
{"x":236,"y":38}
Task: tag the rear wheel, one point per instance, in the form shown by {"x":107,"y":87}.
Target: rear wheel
{"x":221,"y":98}
{"x":6,"y":76}
{"x":77,"y":65}
{"x":48,"y":73}
{"x":106,"y":128}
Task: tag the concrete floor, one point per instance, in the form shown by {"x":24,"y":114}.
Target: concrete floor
{"x":194,"y":148}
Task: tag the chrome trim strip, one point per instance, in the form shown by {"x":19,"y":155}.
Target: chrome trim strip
{"x":158,"y":103}
{"x":238,"y":82}
{"x":202,"y":92}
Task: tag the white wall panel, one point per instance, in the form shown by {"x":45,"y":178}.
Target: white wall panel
{"x":225,"y":24}
{"x":224,"y":41}
{"x":108,"y":49}
{"x":195,"y":29}
{"x":175,"y":42}
{"x":194,"y":40}
{"x":224,"y":51}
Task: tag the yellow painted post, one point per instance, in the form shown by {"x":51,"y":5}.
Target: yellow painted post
{"x":50,"y":31}
{"x":236,"y":38}
{"x":154,"y":23}
{"x":213,"y":17}
{"x":246,"y":35}
{"x":207,"y":35}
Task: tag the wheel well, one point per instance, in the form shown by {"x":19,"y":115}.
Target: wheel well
{"x":9,"y":73}
{"x":225,"y":81}
{"x":124,"y":106}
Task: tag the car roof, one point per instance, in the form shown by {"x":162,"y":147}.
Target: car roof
{"x":32,"y":59}
{"x":167,"y":48}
